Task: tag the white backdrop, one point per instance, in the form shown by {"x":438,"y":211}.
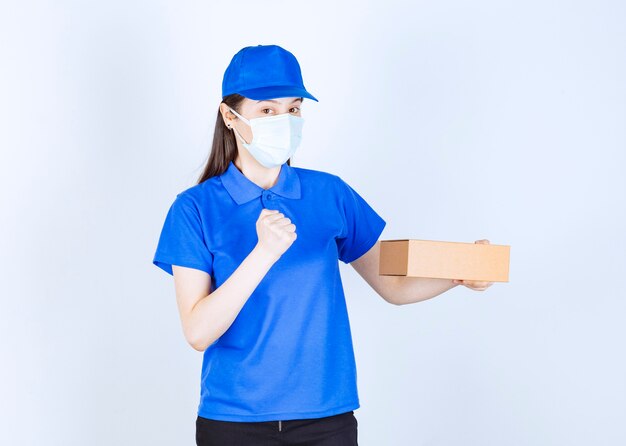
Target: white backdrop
{"x":455,"y":120}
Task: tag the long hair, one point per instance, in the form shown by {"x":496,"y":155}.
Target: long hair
{"x":224,"y":148}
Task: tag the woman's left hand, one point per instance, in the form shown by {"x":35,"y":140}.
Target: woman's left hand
{"x":472,"y":284}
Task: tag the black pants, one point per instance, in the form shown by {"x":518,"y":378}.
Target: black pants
{"x":336,"y":430}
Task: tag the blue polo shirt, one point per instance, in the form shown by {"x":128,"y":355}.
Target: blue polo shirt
{"x":289,"y":352}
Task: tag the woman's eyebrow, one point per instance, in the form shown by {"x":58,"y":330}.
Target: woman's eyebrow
{"x":277,"y":102}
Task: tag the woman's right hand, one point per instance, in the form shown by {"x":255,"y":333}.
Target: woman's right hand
{"x":275,"y":232}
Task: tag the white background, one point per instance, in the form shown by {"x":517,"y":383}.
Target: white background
{"x":455,"y":120}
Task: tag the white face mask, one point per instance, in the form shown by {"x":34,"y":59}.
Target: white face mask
{"x":274,"y":138}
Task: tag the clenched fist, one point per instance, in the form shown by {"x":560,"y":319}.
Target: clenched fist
{"x":275,"y":232}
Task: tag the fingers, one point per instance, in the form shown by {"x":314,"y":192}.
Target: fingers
{"x":273,"y":215}
{"x":476,"y":286}
{"x":267,"y":213}
{"x":480,"y":284}
{"x":278,"y":219}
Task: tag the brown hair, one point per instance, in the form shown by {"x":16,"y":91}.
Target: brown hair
{"x":224,"y":148}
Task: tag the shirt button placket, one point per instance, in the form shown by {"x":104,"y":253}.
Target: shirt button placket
{"x":267,"y":198}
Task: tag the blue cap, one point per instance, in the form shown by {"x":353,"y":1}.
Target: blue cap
{"x":264,"y":72}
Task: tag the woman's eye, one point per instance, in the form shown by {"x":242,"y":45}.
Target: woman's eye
{"x":266,"y":111}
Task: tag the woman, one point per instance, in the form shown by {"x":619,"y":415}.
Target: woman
{"x":254,"y":250}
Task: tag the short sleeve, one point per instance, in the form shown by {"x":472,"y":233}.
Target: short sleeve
{"x":182,"y":242}
{"x":362,"y":225}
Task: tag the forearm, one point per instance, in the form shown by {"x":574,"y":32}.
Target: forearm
{"x":407,"y":290}
{"x":215,"y":313}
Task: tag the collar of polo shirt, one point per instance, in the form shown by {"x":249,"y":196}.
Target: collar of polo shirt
{"x":242,"y":189}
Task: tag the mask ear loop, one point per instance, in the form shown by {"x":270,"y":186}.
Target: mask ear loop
{"x":236,"y":131}
{"x":240,"y":137}
{"x":240,"y":117}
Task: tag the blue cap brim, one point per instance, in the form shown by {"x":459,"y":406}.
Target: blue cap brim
{"x":276,"y":92}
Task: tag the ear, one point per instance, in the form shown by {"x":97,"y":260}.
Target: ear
{"x":227,"y":115}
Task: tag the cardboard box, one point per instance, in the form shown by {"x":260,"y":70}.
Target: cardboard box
{"x":445,"y":260}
